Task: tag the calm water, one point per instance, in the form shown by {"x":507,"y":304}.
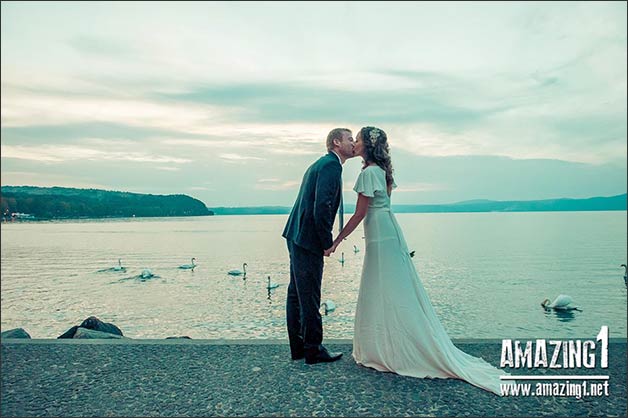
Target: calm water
{"x":486,"y":274}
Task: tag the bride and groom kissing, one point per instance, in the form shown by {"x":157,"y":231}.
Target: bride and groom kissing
{"x":396,"y":328}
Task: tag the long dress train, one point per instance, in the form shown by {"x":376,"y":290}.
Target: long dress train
{"x":396,"y":327}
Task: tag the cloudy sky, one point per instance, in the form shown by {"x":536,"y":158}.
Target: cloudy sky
{"x":230,"y":102}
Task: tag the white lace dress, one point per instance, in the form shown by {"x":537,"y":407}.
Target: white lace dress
{"x":396,"y":327}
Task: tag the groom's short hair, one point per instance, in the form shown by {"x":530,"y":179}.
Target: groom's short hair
{"x":335,"y":133}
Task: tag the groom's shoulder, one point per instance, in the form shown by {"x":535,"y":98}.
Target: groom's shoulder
{"x":330,"y":166}
{"x":330,"y":159}
{"x":325,"y":160}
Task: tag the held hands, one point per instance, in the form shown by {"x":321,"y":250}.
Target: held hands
{"x":331,"y":249}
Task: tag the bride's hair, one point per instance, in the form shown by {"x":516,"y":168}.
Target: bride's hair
{"x":376,"y":146}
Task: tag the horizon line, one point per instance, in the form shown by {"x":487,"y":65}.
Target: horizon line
{"x":437,"y":204}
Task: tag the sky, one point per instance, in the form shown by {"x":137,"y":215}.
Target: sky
{"x":230,"y":102}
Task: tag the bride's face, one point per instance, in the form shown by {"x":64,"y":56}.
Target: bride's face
{"x":359,"y":145}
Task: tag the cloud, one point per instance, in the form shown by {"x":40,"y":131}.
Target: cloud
{"x":300,"y":102}
{"x":276,"y":184}
{"x":55,"y":154}
{"x":419,"y":187}
{"x":105,"y":132}
{"x":546,"y":114}
{"x":220,"y":85}
{"x":21,"y":109}
{"x":92,"y":45}
{"x":298,"y":151}
{"x":289,"y":138}
{"x":238,"y":157}
{"x":35,"y":178}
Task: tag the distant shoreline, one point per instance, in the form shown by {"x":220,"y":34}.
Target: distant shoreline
{"x":41,"y":204}
{"x":610,"y":203}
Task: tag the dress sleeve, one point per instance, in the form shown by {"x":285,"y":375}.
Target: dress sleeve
{"x":369,"y":182}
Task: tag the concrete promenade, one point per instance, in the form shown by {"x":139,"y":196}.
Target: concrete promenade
{"x":257,"y":378}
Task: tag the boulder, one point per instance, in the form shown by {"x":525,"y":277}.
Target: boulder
{"x":85,"y":333}
{"x":181,"y":337}
{"x":15,"y":333}
{"x":94,"y":324}
{"x":69,"y":333}
{"x":97,"y":325}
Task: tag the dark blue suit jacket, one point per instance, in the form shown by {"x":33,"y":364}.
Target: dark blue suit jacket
{"x":312,"y":217}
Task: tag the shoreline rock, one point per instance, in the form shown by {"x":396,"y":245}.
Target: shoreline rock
{"x":86,"y":333}
{"x":15,"y":333}
{"x":94,"y":324}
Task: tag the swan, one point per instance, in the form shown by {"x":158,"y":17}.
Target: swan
{"x":356,"y":249}
{"x":625,"y":272}
{"x":329,"y":306}
{"x":342,"y":259}
{"x":561,"y":303}
{"x":147,"y":274}
{"x":238,"y":272}
{"x":188,"y":266}
{"x":270,"y":285}
{"x":119,"y":266}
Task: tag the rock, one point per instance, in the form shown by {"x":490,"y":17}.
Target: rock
{"x":182,"y":337}
{"x":97,"y":325}
{"x":86,"y":333}
{"x":94,"y":324}
{"x":69,"y":333}
{"x":15,"y":333}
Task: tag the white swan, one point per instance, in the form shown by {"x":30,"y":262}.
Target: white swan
{"x":561,"y":303}
{"x":271,"y":285}
{"x":147,"y":274}
{"x":188,"y":266}
{"x":329,"y":306}
{"x":119,"y":266}
{"x":625,"y":274}
{"x":238,"y":272}
{"x":356,"y":249}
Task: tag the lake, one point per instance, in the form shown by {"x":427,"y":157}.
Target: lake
{"x":486,"y":274}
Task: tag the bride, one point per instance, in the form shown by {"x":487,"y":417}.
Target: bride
{"x":396,"y":327}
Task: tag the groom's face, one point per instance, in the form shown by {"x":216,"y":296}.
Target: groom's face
{"x":346,"y":145}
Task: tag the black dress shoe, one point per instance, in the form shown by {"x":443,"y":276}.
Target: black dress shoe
{"x":298,"y":356}
{"x":322,"y":356}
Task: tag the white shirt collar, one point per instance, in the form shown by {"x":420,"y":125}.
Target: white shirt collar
{"x":339,"y":160}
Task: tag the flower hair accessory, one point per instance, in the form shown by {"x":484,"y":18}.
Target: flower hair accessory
{"x":374,"y":135}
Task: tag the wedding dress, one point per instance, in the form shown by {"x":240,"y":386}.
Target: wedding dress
{"x":396,"y":327}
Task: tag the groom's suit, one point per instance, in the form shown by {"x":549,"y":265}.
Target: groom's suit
{"x":308,"y":234}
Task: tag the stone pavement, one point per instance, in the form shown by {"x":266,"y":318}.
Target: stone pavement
{"x":257,"y":378}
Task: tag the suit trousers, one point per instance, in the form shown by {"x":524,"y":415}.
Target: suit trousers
{"x":305,"y":325}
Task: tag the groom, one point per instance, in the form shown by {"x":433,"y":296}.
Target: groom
{"x":309,"y":238}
